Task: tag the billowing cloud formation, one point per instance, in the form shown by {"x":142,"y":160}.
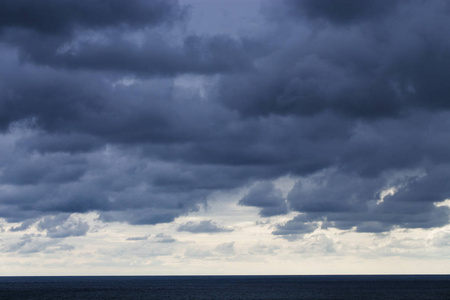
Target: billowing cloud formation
{"x":53,"y":17}
{"x":114,"y":107}
{"x":62,"y":226}
{"x":296,"y":228}
{"x":268,"y":198}
{"x":114,"y":36}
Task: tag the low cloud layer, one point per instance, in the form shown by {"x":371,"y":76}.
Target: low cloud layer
{"x":206,"y":226}
{"x":115,"y":107}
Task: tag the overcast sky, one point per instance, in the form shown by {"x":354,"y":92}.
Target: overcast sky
{"x":224,"y":137}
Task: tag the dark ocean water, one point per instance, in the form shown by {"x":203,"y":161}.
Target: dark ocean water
{"x":228,"y":287}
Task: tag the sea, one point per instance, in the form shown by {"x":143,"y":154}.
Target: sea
{"x":228,"y":287}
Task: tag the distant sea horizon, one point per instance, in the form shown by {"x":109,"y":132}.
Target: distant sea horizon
{"x":380,"y":286}
{"x":230,"y":275}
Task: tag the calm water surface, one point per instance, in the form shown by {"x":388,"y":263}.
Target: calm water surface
{"x":227,"y":287}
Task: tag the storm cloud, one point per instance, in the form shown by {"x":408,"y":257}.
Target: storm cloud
{"x":54,"y":17}
{"x":115,"y":36}
{"x":115,"y":107}
{"x":268,"y":198}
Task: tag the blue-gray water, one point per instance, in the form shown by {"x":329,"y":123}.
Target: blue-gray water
{"x":228,"y":287}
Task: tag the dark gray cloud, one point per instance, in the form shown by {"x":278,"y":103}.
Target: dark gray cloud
{"x":345,"y":201}
{"x":138,"y":238}
{"x":295,"y":228}
{"x":267,"y":197}
{"x":362,"y":71}
{"x":63,"y":225}
{"x":23,"y":226}
{"x":136,"y":118}
{"x":41,"y":169}
{"x":342,"y":11}
{"x":164,"y":238}
{"x":114,"y":36}
{"x":152,"y":55}
{"x":206,"y":226}
{"x":55,"y":17}
{"x":159,"y":238}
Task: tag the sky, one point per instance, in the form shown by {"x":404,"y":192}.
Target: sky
{"x":198,"y":137}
